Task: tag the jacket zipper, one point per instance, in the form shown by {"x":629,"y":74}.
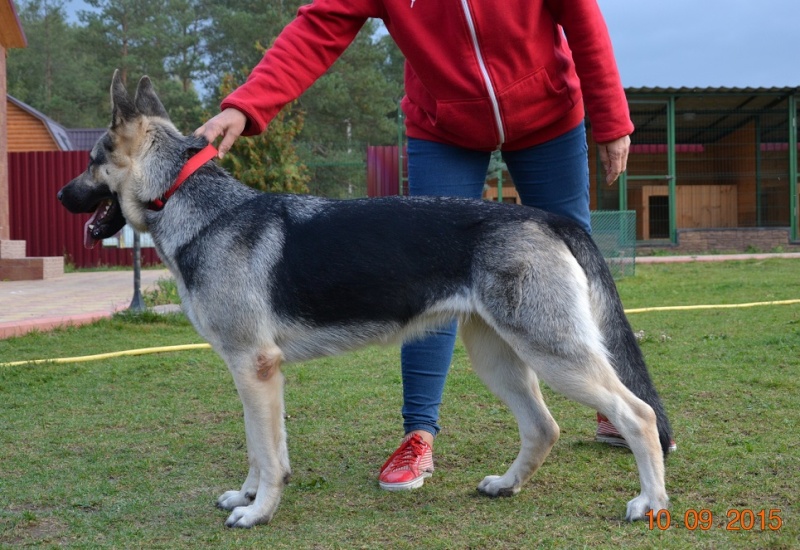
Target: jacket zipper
{"x":484,"y":73}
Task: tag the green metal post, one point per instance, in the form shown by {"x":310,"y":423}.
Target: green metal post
{"x":500,"y":186}
{"x":793,"y":172}
{"x":623,"y":191}
{"x":672,"y":169}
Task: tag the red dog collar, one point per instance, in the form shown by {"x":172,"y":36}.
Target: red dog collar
{"x":191,"y":166}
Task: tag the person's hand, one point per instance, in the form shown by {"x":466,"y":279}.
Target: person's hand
{"x":229,"y":124}
{"x":614,"y":157}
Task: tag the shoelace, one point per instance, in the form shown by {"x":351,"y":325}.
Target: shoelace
{"x":407,"y":454}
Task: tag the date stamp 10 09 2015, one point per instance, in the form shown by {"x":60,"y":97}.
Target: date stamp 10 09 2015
{"x":703,"y":519}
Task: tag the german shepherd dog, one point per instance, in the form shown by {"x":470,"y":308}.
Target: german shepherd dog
{"x":273,"y":278}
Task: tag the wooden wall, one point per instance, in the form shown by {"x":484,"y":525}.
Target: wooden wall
{"x":735,"y":160}
{"x":26,"y":132}
{"x":776,"y":209}
{"x":5,"y":231}
{"x":698,"y":206}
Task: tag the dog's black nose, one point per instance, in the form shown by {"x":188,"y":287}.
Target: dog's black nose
{"x":60,"y":194}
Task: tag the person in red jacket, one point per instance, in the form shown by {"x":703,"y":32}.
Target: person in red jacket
{"x":516,"y":76}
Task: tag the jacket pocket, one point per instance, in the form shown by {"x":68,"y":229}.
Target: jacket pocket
{"x":534,"y":103}
{"x":469,"y":123}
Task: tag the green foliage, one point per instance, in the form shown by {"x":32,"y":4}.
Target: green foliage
{"x":166,"y":292}
{"x":496,"y":166}
{"x":131,"y":34}
{"x":188,"y":48}
{"x":56,"y":74}
{"x":65,"y":70}
{"x":237,"y":29}
{"x":269,"y":161}
{"x":185,"y":109}
{"x":335,"y":173}
{"x":355,"y":102}
{"x":185,"y":30}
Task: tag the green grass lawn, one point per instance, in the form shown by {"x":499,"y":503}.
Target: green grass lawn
{"x":132,"y":452}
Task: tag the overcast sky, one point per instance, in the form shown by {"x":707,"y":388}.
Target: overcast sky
{"x":673,"y":43}
{"x":676,"y":43}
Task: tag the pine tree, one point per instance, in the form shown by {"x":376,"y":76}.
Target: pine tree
{"x":269,"y":161}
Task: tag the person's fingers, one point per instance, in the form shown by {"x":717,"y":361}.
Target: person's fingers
{"x":614,"y":157}
{"x":207,"y":131}
{"x":229,"y":124}
{"x":615,"y":166}
{"x":226,"y":143}
{"x":626,"y":149}
{"x":602,"y":150}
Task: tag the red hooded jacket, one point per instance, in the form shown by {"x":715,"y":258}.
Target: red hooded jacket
{"x":479,"y":74}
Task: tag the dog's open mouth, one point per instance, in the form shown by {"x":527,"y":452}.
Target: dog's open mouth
{"x":106,"y":222}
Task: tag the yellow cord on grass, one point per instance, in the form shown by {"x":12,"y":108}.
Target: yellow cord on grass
{"x":130,"y":352}
{"x":712,"y":306}
{"x":185,"y":347}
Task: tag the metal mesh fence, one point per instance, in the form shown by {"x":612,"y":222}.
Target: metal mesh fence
{"x":614,"y":232}
{"x":733,"y":172}
{"x":720,"y":159}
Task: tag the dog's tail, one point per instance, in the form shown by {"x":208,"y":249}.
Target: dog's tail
{"x":626,"y":356}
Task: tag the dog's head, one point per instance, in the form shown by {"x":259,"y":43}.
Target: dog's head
{"x":129,"y":166}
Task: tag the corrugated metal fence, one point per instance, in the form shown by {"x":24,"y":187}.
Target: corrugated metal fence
{"x":39,"y":219}
{"x":383,"y":175}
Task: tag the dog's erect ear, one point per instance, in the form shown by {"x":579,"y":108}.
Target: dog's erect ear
{"x":122,"y":108}
{"x":147,"y":101}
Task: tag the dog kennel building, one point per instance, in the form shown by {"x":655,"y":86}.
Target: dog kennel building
{"x":709,"y":168}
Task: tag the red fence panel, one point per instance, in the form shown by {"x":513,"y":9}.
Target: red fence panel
{"x":383,"y":176}
{"x":38,"y":218}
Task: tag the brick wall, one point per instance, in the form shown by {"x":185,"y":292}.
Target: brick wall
{"x":760,"y":239}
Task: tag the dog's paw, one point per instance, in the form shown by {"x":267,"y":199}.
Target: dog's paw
{"x":498,"y":486}
{"x":247,"y":516}
{"x":233,"y":499}
{"x":639,"y":506}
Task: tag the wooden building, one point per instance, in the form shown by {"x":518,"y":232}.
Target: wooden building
{"x":31,"y":130}
{"x":709,"y":169}
{"x":14,"y":263}
{"x":11,"y":36}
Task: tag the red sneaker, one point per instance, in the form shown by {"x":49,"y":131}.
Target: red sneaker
{"x":607,"y":433}
{"x":408,"y":466}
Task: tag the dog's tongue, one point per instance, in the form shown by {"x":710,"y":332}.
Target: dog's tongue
{"x":88,"y":240}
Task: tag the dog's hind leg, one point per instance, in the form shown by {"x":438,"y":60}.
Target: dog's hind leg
{"x":259,"y":382}
{"x":590,"y":379}
{"x":636,"y":421}
{"x":510,"y":379}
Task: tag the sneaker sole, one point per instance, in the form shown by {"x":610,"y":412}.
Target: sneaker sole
{"x":415,"y":483}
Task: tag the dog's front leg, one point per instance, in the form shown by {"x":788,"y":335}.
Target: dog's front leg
{"x":259,"y":382}
{"x":247,"y":494}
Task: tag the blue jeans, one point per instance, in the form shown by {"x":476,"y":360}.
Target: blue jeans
{"x":553,"y":176}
